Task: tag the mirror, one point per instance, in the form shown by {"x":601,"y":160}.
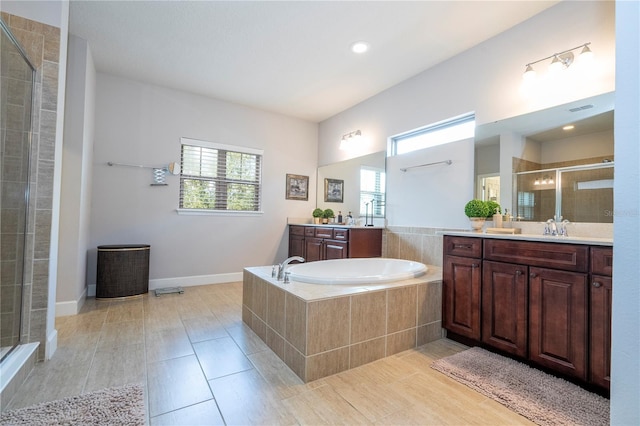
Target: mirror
{"x":359,"y":182}
{"x":533,"y":146}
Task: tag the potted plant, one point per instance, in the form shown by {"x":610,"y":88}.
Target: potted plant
{"x":326,"y":215}
{"x":477,"y":212}
{"x":493,"y":208}
{"x":317,"y":215}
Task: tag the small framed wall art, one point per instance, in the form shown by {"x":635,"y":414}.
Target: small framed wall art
{"x":297,"y":187}
{"x":333,"y":190}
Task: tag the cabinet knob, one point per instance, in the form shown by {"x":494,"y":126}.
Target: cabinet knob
{"x":533,"y":275}
{"x":475,"y":265}
{"x":518,"y":272}
{"x":596,"y":284}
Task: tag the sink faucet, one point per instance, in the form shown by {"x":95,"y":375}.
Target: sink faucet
{"x":563,"y":228}
{"x":283,"y":265}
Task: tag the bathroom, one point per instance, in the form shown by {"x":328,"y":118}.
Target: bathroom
{"x":129,"y":209}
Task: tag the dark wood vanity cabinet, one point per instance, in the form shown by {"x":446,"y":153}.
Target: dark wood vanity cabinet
{"x":327,"y":242}
{"x":549,"y":303}
{"x":600,"y":316}
{"x":462,"y":271}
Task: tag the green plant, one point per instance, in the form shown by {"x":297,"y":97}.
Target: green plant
{"x":493,"y":208}
{"x":476,"y":208}
{"x":317,"y":213}
{"x":328,"y":214}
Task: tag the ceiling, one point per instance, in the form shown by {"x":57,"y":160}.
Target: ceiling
{"x":288,"y":57}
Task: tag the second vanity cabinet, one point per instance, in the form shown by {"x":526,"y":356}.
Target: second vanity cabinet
{"x":545,"y":302}
{"x":328,"y":242}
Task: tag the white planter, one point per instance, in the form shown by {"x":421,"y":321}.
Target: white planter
{"x":477,"y":223}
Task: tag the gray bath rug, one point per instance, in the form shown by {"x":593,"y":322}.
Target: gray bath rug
{"x":112,"y":406}
{"x":536,"y":395}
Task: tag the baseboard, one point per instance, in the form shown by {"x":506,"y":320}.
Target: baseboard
{"x":73,"y":307}
{"x":52,"y":344}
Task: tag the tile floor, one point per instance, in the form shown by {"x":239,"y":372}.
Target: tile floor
{"x":202,"y":366}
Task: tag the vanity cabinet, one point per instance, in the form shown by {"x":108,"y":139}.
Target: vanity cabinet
{"x":462,"y":271}
{"x":327,"y":242}
{"x":600,"y":316}
{"x":548,"y":303}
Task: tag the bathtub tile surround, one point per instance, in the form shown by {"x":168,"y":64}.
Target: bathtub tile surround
{"x":413,"y":243}
{"x":319,"y":330}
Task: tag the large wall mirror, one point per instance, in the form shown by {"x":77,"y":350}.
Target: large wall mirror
{"x":553,"y":162}
{"x":356,"y":185}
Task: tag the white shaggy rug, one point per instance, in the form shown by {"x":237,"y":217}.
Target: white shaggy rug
{"x":112,"y":406}
{"x":536,"y":395}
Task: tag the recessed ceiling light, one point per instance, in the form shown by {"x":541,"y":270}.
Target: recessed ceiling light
{"x":359,"y":47}
{"x":569,"y":127}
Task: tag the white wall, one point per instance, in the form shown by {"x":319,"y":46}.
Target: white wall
{"x":625,"y":367}
{"x":137,"y":123}
{"x":586,"y":146}
{"x":76,"y":177}
{"x":440,"y":190}
{"x":486,"y":79}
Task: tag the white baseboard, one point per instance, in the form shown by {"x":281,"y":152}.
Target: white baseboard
{"x":52,"y":343}
{"x":72,"y":307}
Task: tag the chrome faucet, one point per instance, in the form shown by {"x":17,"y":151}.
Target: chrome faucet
{"x":283,"y":265}
{"x":563,"y":228}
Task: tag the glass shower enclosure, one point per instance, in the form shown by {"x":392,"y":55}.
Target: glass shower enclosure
{"x":16,"y":98}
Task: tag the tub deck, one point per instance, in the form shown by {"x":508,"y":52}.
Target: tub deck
{"x":322,"y":329}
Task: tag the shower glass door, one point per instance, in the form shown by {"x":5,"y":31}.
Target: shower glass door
{"x":17,"y":76}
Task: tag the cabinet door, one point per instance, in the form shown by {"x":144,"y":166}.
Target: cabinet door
{"x":558,"y":320}
{"x":505,"y":304}
{"x":600,"y":353}
{"x":335,"y":249}
{"x":461,"y":296}
{"x":312,"y":249}
{"x":296,"y":245}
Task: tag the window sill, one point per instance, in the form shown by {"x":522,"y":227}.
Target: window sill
{"x":205,"y":212}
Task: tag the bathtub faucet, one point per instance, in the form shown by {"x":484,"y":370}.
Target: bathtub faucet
{"x":283,"y":265}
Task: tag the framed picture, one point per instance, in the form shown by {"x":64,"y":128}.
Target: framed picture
{"x":297,"y":187}
{"x":333,"y":190}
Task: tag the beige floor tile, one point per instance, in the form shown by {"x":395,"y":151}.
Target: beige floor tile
{"x":246,"y":339}
{"x":245,"y":399}
{"x":201,"y":414}
{"x":204,"y":328}
{"x":175,"y":383}
{"x":167,"y":343}
{"x":125,"y":311}
{"x":323,"y":405}
{"x":116,"y":366}
{"x":221,"y":357}
{"x":121,"y":333}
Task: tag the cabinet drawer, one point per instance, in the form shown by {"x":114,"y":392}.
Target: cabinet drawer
{"x":602,"y":260}
{"x":463,"y":246}
{"x":296,"y":230}
{"x":324,"y":232}
{"x":341,"y":234}
{"x":309,"y":231}
{"x":562,"y":256}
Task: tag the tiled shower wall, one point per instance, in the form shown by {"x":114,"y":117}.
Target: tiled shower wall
{"x":42,"y":45}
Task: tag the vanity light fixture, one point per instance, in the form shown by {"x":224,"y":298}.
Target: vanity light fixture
{"x":568,"y":127}
{"x":349,"y":139}
{"x":546,"y":180}
{"x":559,"y":61}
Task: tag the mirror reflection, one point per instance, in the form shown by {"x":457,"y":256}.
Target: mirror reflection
{"x":361,"y":181}
{"x":554,"y":162}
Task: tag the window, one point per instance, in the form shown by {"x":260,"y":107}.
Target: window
{"x":372,"y":190}
{"x":452,"y":130}
{"x":526,"y":205}
{"x":219,"y":178}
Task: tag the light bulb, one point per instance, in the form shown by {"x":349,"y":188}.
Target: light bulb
{"x":529,"y":73}
{"x":556,"y":65}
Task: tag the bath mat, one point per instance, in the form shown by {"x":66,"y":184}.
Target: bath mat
{"x":534,"y":394}
{"x":112,"y":406}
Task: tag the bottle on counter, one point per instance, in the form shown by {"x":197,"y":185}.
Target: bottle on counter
{"x":349,"y":219}
{"x":497,"y":218}
{"x":339,"y":216}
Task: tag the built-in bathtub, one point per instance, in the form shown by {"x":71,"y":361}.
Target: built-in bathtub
{"x":320,"y":329}
{"x":371,"y":270}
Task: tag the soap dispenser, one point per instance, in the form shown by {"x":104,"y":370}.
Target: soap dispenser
{"x":497,"y":218}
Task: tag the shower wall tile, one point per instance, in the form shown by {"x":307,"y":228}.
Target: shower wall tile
{"x":49,"y":86}
{"x":275,"y":342}
{"x":295,"y":360}
{"x":259,"y":299}
{"x":429,"y":333}
{"x":40,"y":284}
{"x":368,"y":316}
{"x":42,"y":235}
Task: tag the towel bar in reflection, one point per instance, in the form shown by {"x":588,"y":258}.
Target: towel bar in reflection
{"x":447,"y":162}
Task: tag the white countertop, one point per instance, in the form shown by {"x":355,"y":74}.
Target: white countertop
{"x":533,"y":237}
{"x":337,"y":225}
